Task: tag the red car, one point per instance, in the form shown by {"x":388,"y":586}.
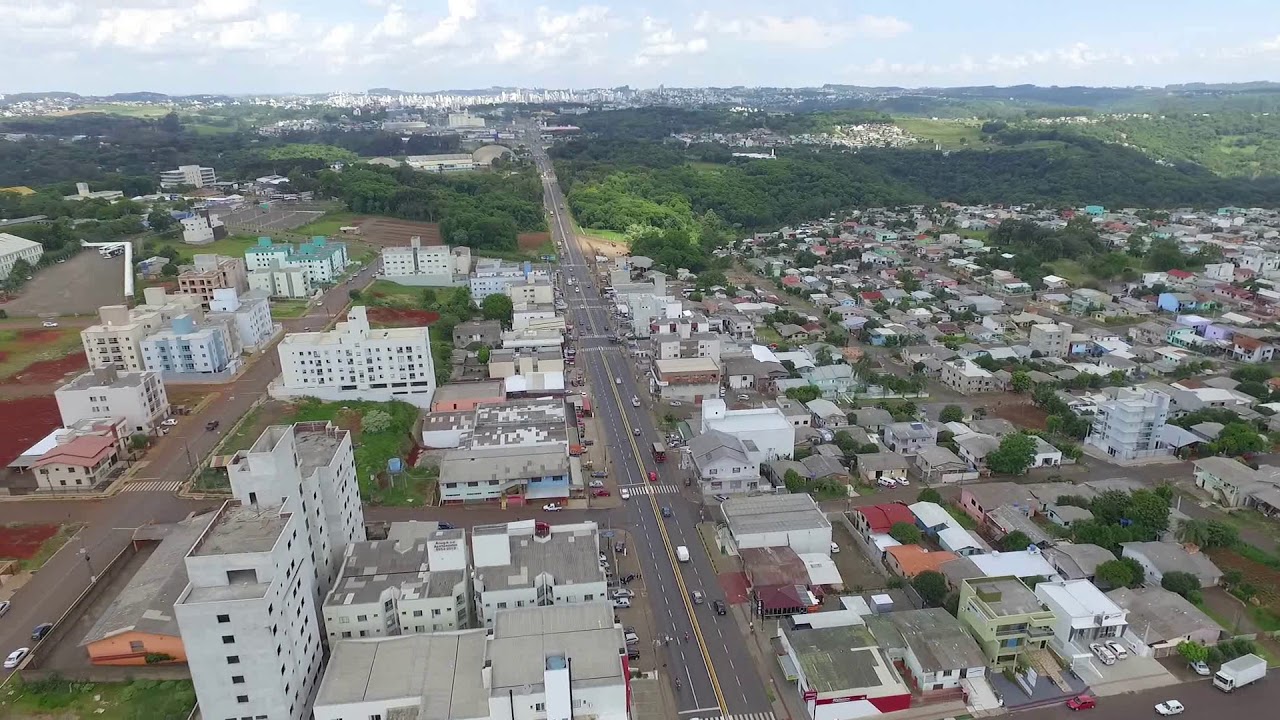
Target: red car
{"x":600,"y":493}
{"x":653,"y":476}
{"x":1082,"y":702}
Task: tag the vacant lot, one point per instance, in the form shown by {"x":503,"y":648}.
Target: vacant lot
{"x":330,"y":223}
{"x":59,"y":699}
{"x":279,"y":217}
{"x":385,"y":317}
{"x":947,"y":133}
{"x":25,"y":352}
{"x":25,"y":421}
{"x":1265,"y":579}
{"x":1023,"y":415}
{"x":535,"y":242}
{"x":22,"y":542}
{"x":390,"y":232}
{"x":78,"y":286}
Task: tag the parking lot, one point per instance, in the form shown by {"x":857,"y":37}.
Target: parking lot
{"x":78,"y":286}
{"x":279,"y":217}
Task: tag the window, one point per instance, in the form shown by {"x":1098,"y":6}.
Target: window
{"x":136,"y":646}
{"x":417,"y":613}
{"x":237,"y":679}
{"x":233,"y":659}
{"x":242,"y":698}
{"x":228,"y":639}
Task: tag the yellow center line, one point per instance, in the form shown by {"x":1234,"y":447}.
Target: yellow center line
{"x":666,"y":541}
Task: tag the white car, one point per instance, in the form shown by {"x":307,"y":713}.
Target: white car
{"x":1169,"y":707}
{"x":835,"y":549}
{"x":4,"y":607}
{"x":622,"y":593}
{"x":49,"y":323}
{"x":1102,"y":653}
{"x":903,"y":482}
{"x":596,"y":484}
{"x":15,"y":657}
{"x":169,"y":422}
{"x":744,"y":397}
{"x":624,"y":493}
{"x":622,"y":602}
{"x":673,"y":403}
{"x":887,"y":482}
{"x":1117,"y":649}
{"x":553,"y":507}
{"x":617,"y":381}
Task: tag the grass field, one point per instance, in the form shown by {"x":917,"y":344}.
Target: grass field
{"x":233,"y":246}
{"x":137,"y":111}
{"x":610,"y":235}
{"x":60,"y":699}
{"x":947,"y":133}
{"x":396,"y":294}
{"x":284,"y":309}
{"x":328,"y":224}
{"x":1071,"y":270}
{"x":19,"y":349}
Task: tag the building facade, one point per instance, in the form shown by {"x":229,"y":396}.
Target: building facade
{"x":1127,"y":425}
{"x":187,"y":348}
{"x":249,"y":313}
{"x":137,"y":396}
{"x":13,"y":249}
{"x":281,"y":282}
{"x":323,"y":261}
{"x":192,"y":175}
{"x":1005,"y":617}
{"x":212,"y":272}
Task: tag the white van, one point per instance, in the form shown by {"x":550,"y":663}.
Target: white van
{"x":682,"y":554}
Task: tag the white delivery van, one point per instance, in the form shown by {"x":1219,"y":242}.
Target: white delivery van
{"x":682,"y":554}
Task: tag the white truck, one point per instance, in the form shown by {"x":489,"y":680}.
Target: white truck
{"x":682,"y":554}
{"x":635,"y":401}
{"x":1239,"y":672}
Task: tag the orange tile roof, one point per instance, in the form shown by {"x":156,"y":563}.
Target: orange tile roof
{"x":914,"y":559}
{"x":84,"y":451}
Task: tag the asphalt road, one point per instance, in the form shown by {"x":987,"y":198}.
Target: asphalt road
{"x":714,"y":667}
{"x":1201,"y":700}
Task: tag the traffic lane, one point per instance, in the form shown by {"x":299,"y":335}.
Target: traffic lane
{"x":1201,"y":699}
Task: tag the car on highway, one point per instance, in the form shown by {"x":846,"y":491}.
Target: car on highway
{"x":720,"y":607}
{"x":1117,"y":649}
{"x":39,"y":631}
{"x":697,"y":597}
{"x":4,"y":607}
{"x":15,"y":657}
{"x":1168,"y":707}
{"x":1101,"y":652}
{"x":48,"y":323}
{"x":666,"y":512}
{"x":1201,"y":668}
{"x":553,"y":507}
{"x":212,"y":425}
{"x":622,"y":593}
{"x":653,"y":476}
{"x":617,"y":381}
{"x":635,"y":401}
{"x":600,"y":493}
{"x":635,"y":431}
{"x":1082,"y":702}
{"x":622,"y":602}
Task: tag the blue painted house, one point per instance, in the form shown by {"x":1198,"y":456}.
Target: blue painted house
{"x":1177,"y":302}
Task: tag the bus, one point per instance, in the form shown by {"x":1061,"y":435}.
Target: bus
{"x":659,"y":452}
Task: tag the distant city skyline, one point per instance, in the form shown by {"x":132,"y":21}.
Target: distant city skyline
{"x":239,"y":47}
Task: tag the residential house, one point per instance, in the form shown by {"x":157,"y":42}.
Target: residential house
{"x":974,"y":448}
{"x":909,"y":438}
{"x":907,"y":561}
{"x":937,"y":464}
{"x":980,"y":500}
{"x":1232,"y":483}
{"x":1077,"y":561}
{"x":83,"y":463}
{"x":1158,"y":558}
{"x":1005,"y":617}
{"x":1082,"y":615}
{"x":935,"y":651}
{"x":725,"y":463}
{"x":874,"y":466}
{"x":1160,"y":620}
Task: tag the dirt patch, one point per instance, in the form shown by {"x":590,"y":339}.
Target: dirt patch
{"x":389,"y":232}
{"x":49,"y":371}
{"x":401,"y":317}
{"x":604,"y":248}
{"x":528,"y":242}
{"x":36,"y":336}
{"x":1023,"y":415}
{"x":79,"y":286}
{"x":25,"y":421}
{"x":1265,"y":579}
{"x":22,"y":542}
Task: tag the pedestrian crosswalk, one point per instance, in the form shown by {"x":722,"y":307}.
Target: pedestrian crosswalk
{"x":652,"y":489}
{"x":171,"y":486}
{"x":738,"y":716}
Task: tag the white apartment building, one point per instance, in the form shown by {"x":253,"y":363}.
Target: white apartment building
{"x":13,"y":249}
{"x":725,"y":463}
{"x":429,"y":266}
{"x":188,"y":347}
{"x":116,"y":340}
{"x":137,"y":396}
{"x":536,"y":291}
{"x":966,"y":377}
{"x":536,"y":318}
{"x":282,"y":282}
{"x":494,"y":276}
{"x":1083,"y":614}
{"x":322,"y":260}
{"x":1051,"y":339}
{"x":248,"y":615}
{"x":249,"y":312}
{"x":773,"y":435}
{"x":1127,"y":425}
{"x":202,"y":228}
{"x":647,"y":309}
{"x":529,"y":563}
{"x":193,"y":175}
{"x":413,"y":582}
{"x":465,"y":120}
{"x":355,"y":362}
{"x":535,"y":663}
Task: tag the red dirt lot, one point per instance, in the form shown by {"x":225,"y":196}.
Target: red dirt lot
{"x":527,"y":242}
{"x":387,"y":232}
{"x":1023,"y":415}
{"x":25,"y":421}
{"x":399,"y":317}
{"x":22,"y":542}
{"x":50,"y":371}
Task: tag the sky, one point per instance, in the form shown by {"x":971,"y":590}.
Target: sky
{"x":280,"y":46}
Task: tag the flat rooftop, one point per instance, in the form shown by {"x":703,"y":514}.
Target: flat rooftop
{"x":317,"y":443}
{"x":773,"y":513}
{"x":241,"y":529}
{"x":937,"y":639}
{"x":105,"y":377}
{"x":570,"y":555}
{"x":455,"y":391}
{"x":369,"y":568}
{"x":1007,"y":596}
{"x":584,"y":634}
{"x":838,"y":658}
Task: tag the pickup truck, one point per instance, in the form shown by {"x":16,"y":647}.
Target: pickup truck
{"x":1239,"y":672}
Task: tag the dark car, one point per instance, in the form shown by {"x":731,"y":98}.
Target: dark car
{"x":444,"y":525}
{"x":666,"y":512}
{"x":212,"y":425}
{"x":720,"y":607}
{"x":626,"y":579}
{"x":633,"y":654}
{"x":41,"y":630}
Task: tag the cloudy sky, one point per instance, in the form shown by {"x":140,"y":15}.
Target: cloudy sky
{"x":245,"y":46}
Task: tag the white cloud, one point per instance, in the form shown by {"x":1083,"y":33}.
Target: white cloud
{"x":803,"y":30}
{"x":660,"y":44}
{"x":221,"y":10}
{"x":35,"y":16}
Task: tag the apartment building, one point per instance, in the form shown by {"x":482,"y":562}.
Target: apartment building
{"x":1083,"y":614}
{"x":192,"y":175}
{"x":210,"y":272}
{"x":14,"y":248}
{"x":356,"y":362}
{"x":1127,"y":424}
{"x":281,"y":282}
{"x":534,"y":291}
{"x":323,"y":261}
{"x":965,"y":377}
{"x":529,"y":563}
{"x":202,"y":228}
{"x":116,"y":339}
{"x":248,"y":615}
{"x":1050,"y":339}
{"x":186,"y":347}
{"x":426,"y":266}
{"x":495,"y":276}
{"x":479,"y":474}
{"x":415,"y":581}
{"x":248,"y":313}
{"x":768,"y":428}
{"x":1005,"y":617}
{"x":137,"y":396}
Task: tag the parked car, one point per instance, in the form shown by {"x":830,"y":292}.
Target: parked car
{"x":622,"y":593}
{"x":600,"y":493}
{"x":49,"y":323}
{"x":744,"y":397}
{"x":627,"y":579}
{"x":633,"y":654}
{"x":697,"y":597}
{"x":673,"y":403}
{"x":1082,"y":702}
{"x":1201,"y":668}
{"x":169,"y":422}
{"x":600,"y":474}
{"x":1117,"y":649}
{"x":632,"y":638}
{"x":887,"y":482}
{"x":39,"y":631}
{"x":596,"y":484}
{"x":835,"y":549}
{"x":1102,"y":653}
{"x":1168,"y":707}
{"x":4,"y":607}
{"x":622,"y":602}
{"x":444,"y":525}
{"x":721,"y":498}
{"x":720,"y":607}
{"x":553,"y":507}
{"x":15,"y":657}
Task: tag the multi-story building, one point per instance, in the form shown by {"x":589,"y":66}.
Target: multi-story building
{"x":494,"y":276}
{"x":322,"y":260}
{"x":137,"y":396}
{"x":935,"y":651}
{"x":483,"y":332}
{"x":116,"y":340}
{"x":248,"y":615}
{"x":192,"y":175}
{"x":688,"y":379}
{"x":480,"y":474}
{"x":767,"y":428}
{"x":355,"y":362}
{"x":415,"y":581}
{"x":249,"y":313}
{"x":529,"y":563}
{"x":535,"y":662}
{"x":210,"y":272}
{"x":202,"y":228}
{"x":908,"y":438}
{"x":534,"y":291}
{"x":80,"y":463}
{"x":426,"y":266}
{"x":188,"y":347}
{"x":1050,"y":339}
{"x":1127,"y":425}
{"x":13,"y":249}
{"x":310,"y":469}
{"x":530,"y":317}
{"x":281,"y":282}
{"x":1083,"y":614}
{"x":965,"y":377}
{"x":725,"y":463}
{"x":1005,"y":617}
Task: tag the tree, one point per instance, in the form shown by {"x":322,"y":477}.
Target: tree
{"x":1110,"y":507}
{"x":483,"y":354}
{"x":1238,"y":438}
{"x":845,"y":442}
{"x":929,"y":495}
{"x":1149,"y":510}
{"x":1182,"y":583}
{"x":1135,"y":567}
{"x":1113,"y":574}
{"x":138,"y":441}
{"x":354,"y":295}
{"x":1079,"y":501}
{"x":498,"y":307}
{"x":1020,"y":381}
{"x":1016,"y":453}
{"x":1193,"y":652}
{"x":1015,"y":541}
{"x":804,"y":394}
{"x":932,"y":586}
{"x":793,"y":481}
{"x":161,"y":221}
{"x":1193,"y":531}
{"x":905,"y":533}
{"x":375,"y":421}
{"x":951,"y":413}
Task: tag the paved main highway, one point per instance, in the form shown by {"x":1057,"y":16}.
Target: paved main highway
{"x":1201,"y":699}
{"x":716,"y":672}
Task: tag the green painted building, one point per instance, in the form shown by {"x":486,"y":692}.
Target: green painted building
{"x":1005,"y":617}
